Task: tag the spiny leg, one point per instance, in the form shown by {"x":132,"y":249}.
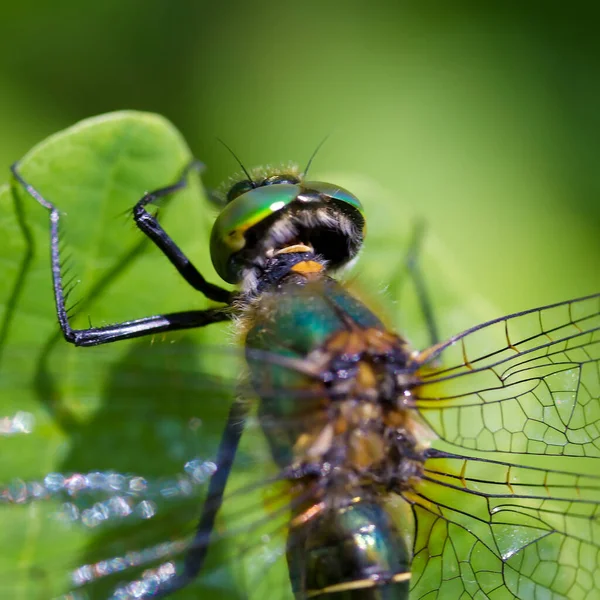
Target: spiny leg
{"x":149,"y":225}
{"x":149,"y":325}
{"x":94,"y":336}
{"x":155,"y":324}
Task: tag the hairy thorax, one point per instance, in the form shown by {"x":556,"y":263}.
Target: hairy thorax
{"x":368,"y":433}
{"x":337,"y":403}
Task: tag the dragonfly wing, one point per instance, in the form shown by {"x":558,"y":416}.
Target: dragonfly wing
{"x":504,"y":530}
{"x":124,"y":494}
{"x":526,"y":383}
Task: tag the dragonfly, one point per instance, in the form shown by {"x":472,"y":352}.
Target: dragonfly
{"x":396,"y":473}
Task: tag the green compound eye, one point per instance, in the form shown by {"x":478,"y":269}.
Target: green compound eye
{"x":335,"y":192}
{"x":241,"y":187}
{"x":229,"y":233}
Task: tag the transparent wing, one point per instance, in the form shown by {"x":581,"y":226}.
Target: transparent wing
{"x":499,"y":530}
{"x":526,"y":383}
{"x":106,"y":541}
{"x":117,"y":512}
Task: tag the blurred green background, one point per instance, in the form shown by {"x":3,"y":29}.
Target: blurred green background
{"x":480,"y":117}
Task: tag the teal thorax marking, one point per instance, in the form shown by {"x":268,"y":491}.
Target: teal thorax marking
{"x":299,"y":314}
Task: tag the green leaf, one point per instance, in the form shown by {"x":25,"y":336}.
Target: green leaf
{"x":123,"y":408}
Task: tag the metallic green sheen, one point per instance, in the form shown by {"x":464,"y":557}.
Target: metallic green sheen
{"x":345,"y":545}
{"x":294,"y":320}
{"x":227,"y":236}
{"x":299,"y":317}
{"x":335,"y":192}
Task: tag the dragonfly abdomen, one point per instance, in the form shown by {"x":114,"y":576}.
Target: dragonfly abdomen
{"x":351,"y":552}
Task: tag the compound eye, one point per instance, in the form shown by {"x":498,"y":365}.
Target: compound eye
{"x":274,"y":179}
{"x":239,"y":188}
{"x":228,"y":236}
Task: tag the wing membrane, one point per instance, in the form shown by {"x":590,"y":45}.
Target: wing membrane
{"x":120,"y":507}
{"x":504,"y":530}
{"x":526,"y":383}
{"x":124,"y":536}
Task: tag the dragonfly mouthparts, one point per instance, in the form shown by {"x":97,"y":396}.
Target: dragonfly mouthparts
{"x":290,"y":249}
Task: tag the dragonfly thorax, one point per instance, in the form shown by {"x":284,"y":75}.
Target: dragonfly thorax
{"x":370,"y":433}
{"x":353,"y":419}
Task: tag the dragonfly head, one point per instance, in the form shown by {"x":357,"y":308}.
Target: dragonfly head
{"x":280,"y":209}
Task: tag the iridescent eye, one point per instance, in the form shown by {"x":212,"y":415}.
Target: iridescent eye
{"x":273,"y":179}
{"x":341,"y":196}
{"x":228,"y":235}
{"x":239,"y":188}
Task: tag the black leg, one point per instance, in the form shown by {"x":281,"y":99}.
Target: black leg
{"x":196,"y":555}
{"x":411,"y":261}
{"x":94,"y":336}
{"x":150,"y":226}
{"x":120,"y":331}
